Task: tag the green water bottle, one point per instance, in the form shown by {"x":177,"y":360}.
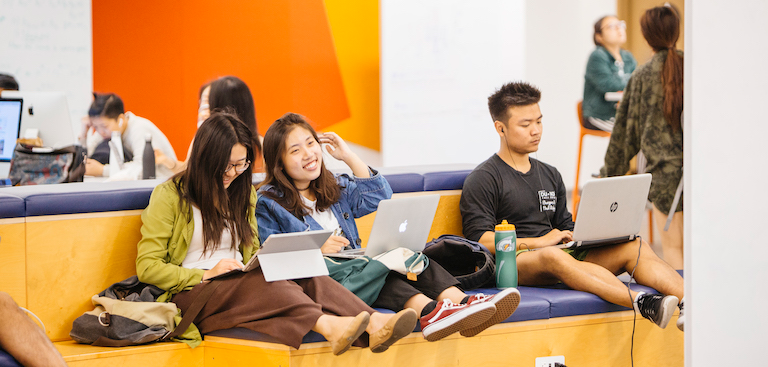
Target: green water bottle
{"x":506,"y":255}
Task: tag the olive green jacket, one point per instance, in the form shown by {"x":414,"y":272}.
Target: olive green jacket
{"x":166,"y":232}
{"x":640,"y":125}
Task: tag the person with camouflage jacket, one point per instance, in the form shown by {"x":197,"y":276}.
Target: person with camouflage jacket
{"x":649,"y":120}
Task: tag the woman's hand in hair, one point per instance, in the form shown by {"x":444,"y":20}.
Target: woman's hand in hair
{"x":334,"y":244}
{"x":336,"y":146}
{"x":339,"y":149}
{"x":223,"y":266}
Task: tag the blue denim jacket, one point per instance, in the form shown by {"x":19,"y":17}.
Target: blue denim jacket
{"x":359,"y":197}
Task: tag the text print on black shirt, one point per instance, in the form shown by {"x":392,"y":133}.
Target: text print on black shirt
{"x":547,"y":201}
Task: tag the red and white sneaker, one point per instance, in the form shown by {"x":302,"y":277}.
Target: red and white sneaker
{"x":506,"y":303}
{"x":448,"y":318}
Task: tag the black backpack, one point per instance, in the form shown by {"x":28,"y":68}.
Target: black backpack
{"x":469,"y":261}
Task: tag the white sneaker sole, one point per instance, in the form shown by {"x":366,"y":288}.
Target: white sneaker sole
{"x":469,"y":317}
{"x":668,"y":306}
{"x":506,"y":303}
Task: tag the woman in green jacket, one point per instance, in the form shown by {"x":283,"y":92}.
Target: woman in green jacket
{"x":197,"y":226}
{"x":608,"y":70}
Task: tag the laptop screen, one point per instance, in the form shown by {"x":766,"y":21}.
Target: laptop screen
{"x":10,"y":124}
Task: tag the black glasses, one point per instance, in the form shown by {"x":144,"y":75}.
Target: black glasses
{"x":239,"y":167}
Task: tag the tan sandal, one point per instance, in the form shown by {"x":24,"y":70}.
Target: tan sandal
{"x":398,"y":327}
{"x":354,"y":330}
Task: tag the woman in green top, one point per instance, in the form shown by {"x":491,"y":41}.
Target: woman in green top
{"x":649,"y":120}
{"x":608,"y":70}
{"x":201,"y":224}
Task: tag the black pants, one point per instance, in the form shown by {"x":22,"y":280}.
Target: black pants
{"x":398,"y":289}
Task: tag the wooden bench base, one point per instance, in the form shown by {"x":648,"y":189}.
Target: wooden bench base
{"x":590,"y":340}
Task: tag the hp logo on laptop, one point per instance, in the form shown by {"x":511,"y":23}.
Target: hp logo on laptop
{"x":614,"y":206}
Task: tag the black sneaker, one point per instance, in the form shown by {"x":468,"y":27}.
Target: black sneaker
{"x":657,"y":308}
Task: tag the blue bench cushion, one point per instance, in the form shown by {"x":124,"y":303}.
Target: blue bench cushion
{"x":568,"y":302}
{"x":88,"y":197}
{"x":405,"y":182}
{"x":11,"y":206}
{"x":248,"y":334}
{"x":532,"y":307}
{"x":448,"y":180}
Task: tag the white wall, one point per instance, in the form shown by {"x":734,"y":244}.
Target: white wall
{"x":440,"y":60}
{"x":46,"y":46}
{"x":725,"y":200}
{"x":558,"y":44}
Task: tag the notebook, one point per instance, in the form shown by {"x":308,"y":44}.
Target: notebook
{"x":402,"y":222}
{"x":610,"y":211}
{"x":288,"y":256}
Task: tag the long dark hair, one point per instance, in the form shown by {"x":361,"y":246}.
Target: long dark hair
{"x":202,"y":185}
{"x":232,"y":92}
{"x":661,"y":28}
{"x":325,"y":187}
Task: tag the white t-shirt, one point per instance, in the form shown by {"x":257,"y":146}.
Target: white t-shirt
{"x":195,"y":259}
{"x":326,"y":219}
{"x":134,"y":138}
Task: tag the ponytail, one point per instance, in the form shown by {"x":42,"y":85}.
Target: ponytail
{"x":672,"y":79}
{"x":661,"y":28}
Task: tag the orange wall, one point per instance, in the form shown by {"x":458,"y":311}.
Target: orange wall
{"x":355,"y":28}
{"x":157,"y":54}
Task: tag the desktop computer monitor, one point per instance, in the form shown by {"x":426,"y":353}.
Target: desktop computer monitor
{"x":10,"y":125}
{"x":47,"y":112}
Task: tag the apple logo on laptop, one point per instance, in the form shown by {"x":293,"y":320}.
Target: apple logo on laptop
{"x":403,"y":225}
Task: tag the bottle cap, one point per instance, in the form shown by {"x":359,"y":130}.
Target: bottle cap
{"x":504,"y":226}
{"x":148,"y":137}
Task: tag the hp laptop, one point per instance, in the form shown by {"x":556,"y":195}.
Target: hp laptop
{"x":402,"y":222}
{"x":611,"y":211}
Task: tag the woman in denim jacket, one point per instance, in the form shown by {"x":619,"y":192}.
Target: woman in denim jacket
{"x":300,"y":194}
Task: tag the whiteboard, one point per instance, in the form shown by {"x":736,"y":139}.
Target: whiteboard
{"x":46,"y":46}
{"x":440,"y":60}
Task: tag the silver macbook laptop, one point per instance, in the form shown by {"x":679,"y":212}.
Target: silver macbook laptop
{"x":288,"y":256}
{"x":402,"y":222}
{"x":610,"y":211}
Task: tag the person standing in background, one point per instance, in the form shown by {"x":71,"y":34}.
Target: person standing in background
{"x":649,"y":119}
{"x":608,"y":70}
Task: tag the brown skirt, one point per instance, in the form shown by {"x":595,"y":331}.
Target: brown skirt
{"x":285,"y":310}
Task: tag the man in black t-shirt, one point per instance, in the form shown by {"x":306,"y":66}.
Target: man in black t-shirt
{"x":531,"y":195}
